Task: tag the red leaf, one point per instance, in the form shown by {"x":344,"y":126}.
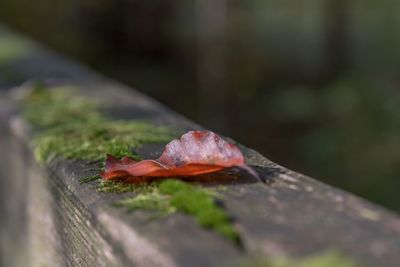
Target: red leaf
{"x":195,"y":153}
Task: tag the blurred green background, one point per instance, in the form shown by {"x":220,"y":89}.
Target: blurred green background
{"x":313,"y":85}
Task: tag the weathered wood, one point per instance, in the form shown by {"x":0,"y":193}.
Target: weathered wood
{"x":50,"y":219}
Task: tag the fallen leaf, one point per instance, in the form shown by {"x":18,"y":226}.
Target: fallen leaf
{"x":195,"y":153}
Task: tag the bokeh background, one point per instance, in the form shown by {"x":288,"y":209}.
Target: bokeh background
{"x":312,"y":84}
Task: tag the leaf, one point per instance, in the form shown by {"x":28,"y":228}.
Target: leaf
{"x":195,"y":153}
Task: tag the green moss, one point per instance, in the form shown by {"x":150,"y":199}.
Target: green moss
{"x":150,"y":201}
{"x":325,"y":259}
{"x":12,"y":48}
{"x":200,"y":204}
{"x":186,"y":198}
{"x":45,"y":108}
{"x":72,"y":127}
{"x":116,"y":187}
{"x":95,"y":139}
{"x":328,"y":259}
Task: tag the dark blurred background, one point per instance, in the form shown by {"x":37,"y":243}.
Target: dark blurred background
{"x":312,"y":84}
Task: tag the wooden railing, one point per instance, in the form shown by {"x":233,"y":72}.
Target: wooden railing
{"x":49,"y":217}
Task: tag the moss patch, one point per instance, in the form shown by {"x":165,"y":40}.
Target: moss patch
{"x":72,"y":127}
{"x":96,"y":139}
{"x":168,"y":196}
{"x":328,"y":259}
{"x":47,"y":108}
{"x":150,"y":201}
{"x":325,"y":259}
{"x":118,"y":187}
{"x":12,"y":48}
